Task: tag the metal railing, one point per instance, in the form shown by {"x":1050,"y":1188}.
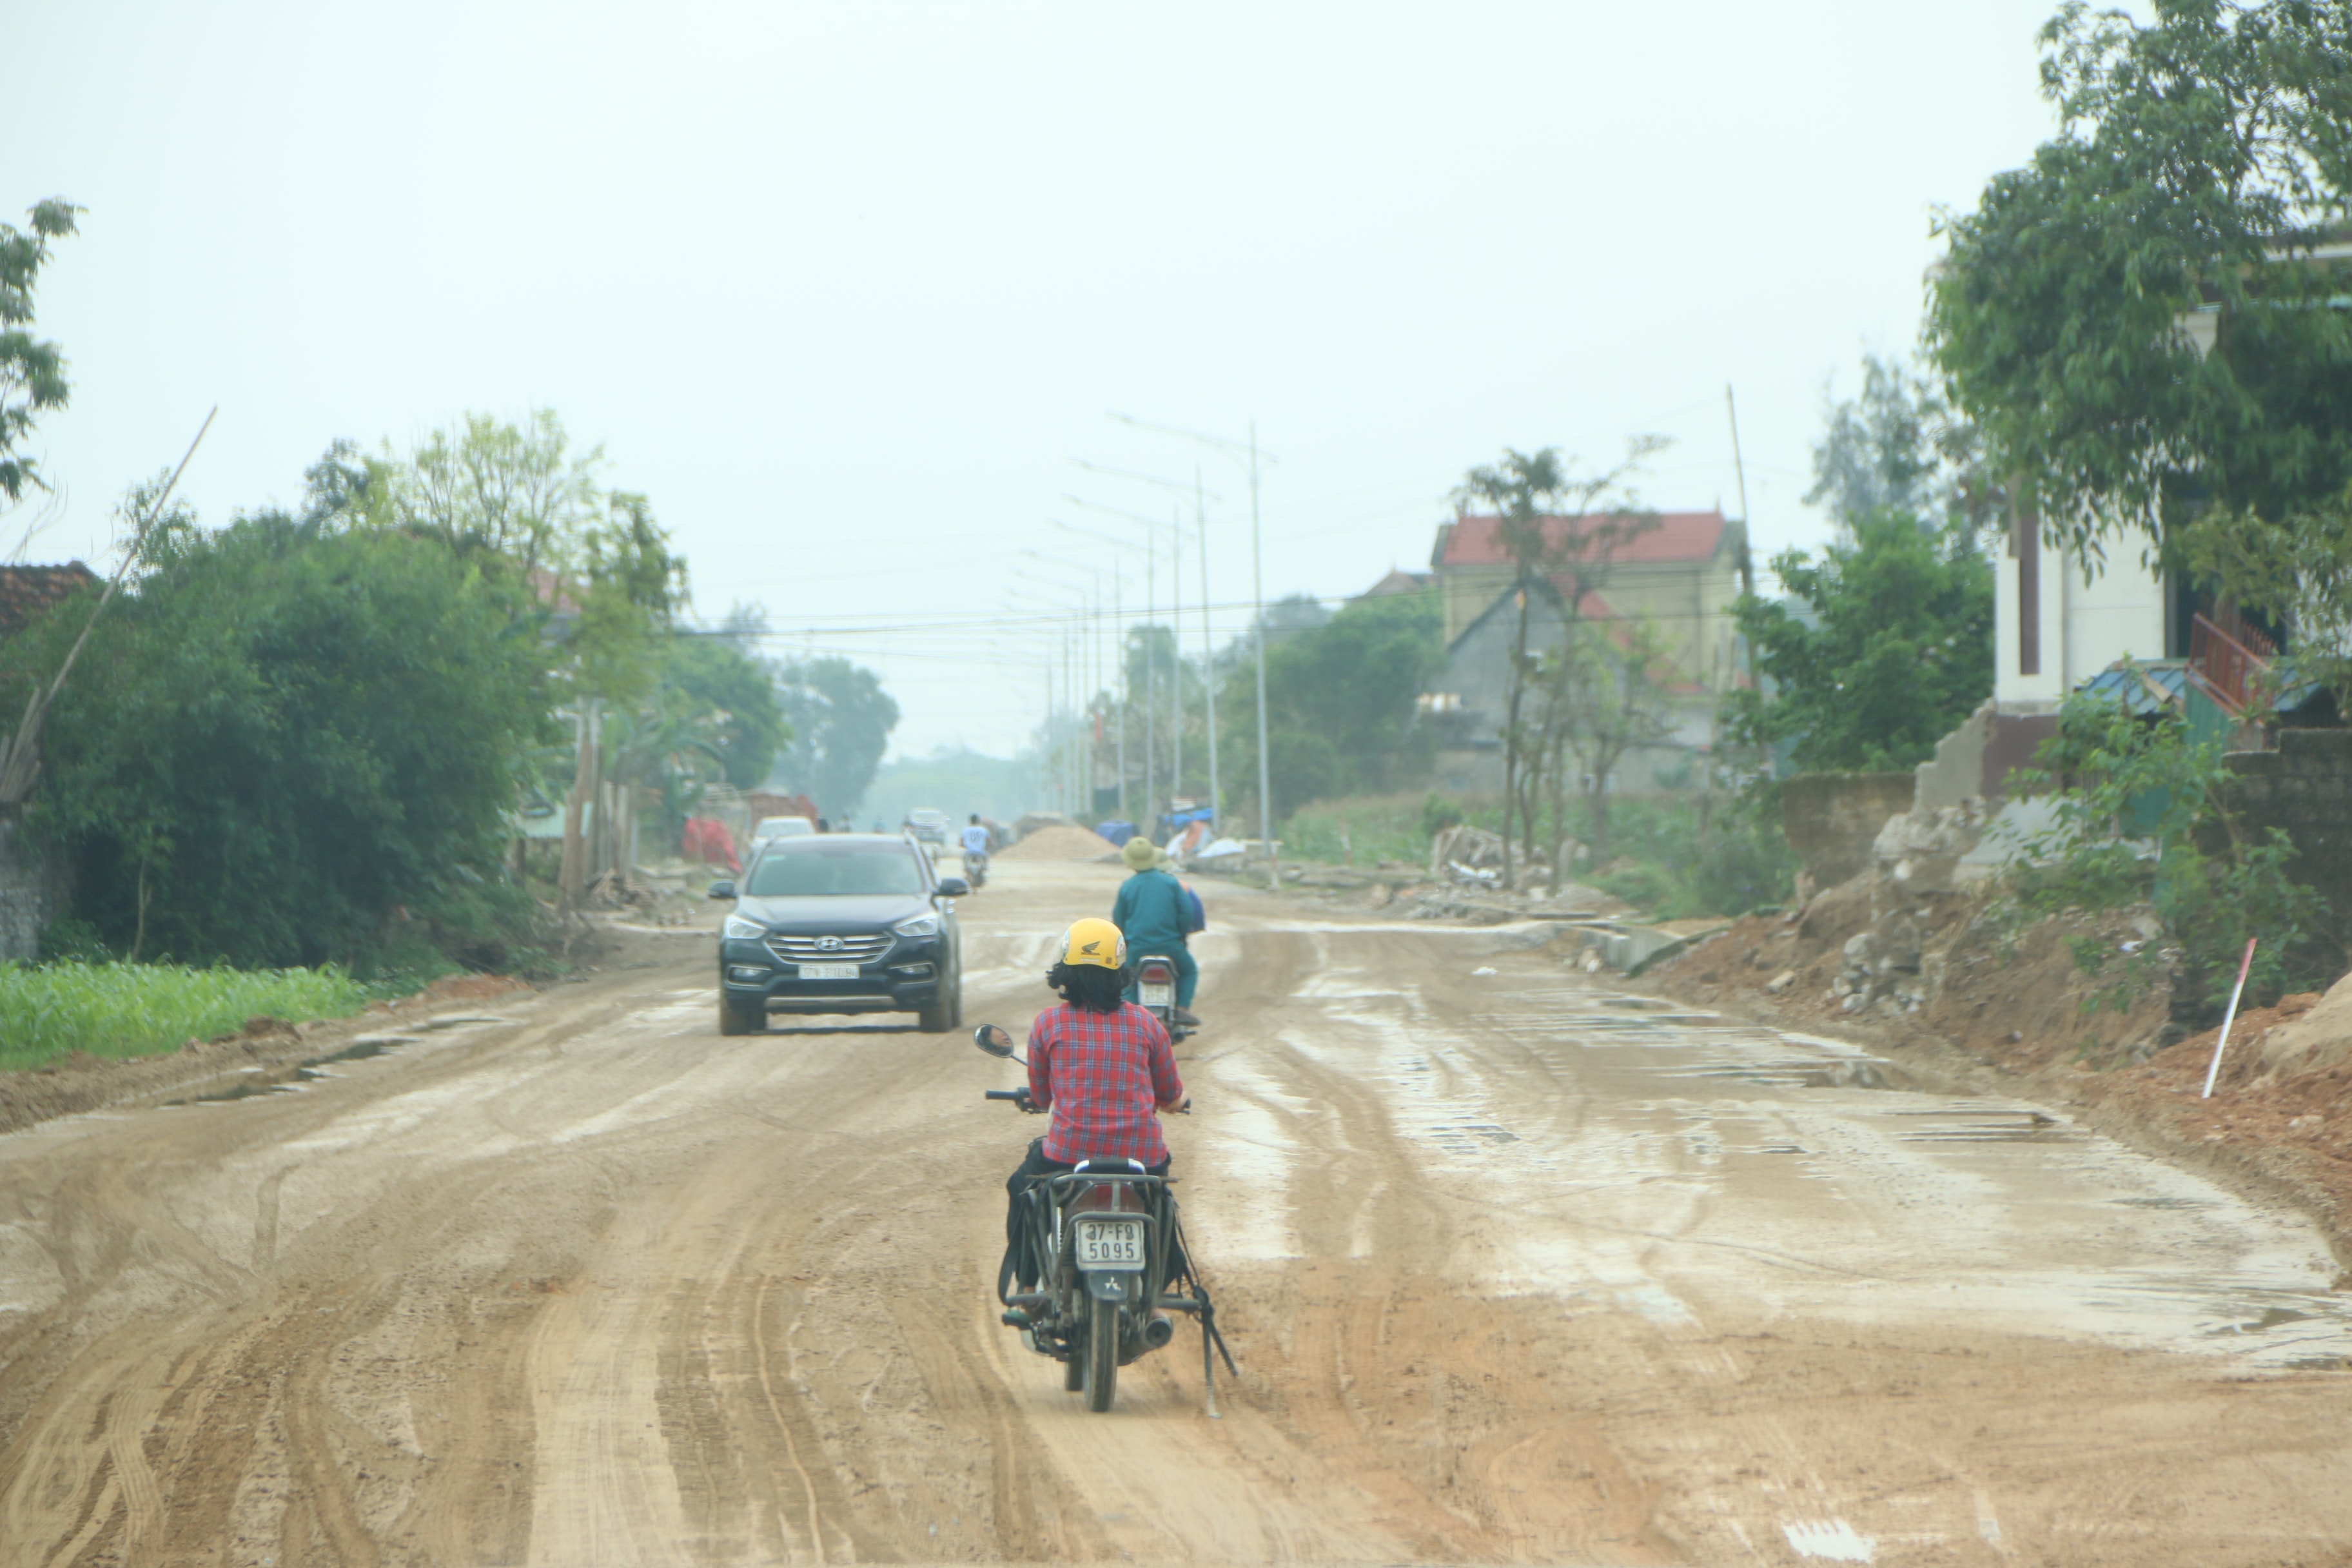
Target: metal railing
{"x":2229,"y":668}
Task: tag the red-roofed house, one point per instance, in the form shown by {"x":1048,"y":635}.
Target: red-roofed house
{"x":1681,"y":573}
{"x":27,"y":590}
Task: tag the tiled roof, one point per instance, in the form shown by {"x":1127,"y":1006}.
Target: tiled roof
{"x":1396,"y":582}
{"x":1676,"y":536}
{"x":27,"y":590}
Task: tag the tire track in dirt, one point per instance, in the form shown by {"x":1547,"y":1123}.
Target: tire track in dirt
{"x":598,"y":1286}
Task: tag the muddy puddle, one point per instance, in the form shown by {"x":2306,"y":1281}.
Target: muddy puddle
{"x":1624,"y":1148}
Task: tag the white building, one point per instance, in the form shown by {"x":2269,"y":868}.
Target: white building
{"x":2052,"y":630}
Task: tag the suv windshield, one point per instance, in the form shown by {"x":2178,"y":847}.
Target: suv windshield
{"x":822,"y":868}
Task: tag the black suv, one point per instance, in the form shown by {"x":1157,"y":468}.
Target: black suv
{"x":840,"y":923}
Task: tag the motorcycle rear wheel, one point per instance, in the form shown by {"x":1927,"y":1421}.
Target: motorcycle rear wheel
{"x":1102,"y":1354}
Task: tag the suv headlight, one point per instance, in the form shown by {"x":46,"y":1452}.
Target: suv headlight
{"x":744,"y":929}
{"x":921,"y":925}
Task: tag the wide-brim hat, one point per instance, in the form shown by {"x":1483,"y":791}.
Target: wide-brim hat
{"x":1140,"y":853}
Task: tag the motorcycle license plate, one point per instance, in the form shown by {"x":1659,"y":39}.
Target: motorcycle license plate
{"x":1157,"y":996}
{"x":1110,"y":1243}
{"x":828,"y":972}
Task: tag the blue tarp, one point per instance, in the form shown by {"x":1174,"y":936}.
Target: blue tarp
{"x":1117,"y":832}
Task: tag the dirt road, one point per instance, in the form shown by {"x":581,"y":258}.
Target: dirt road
{"x":1517,"y":1269}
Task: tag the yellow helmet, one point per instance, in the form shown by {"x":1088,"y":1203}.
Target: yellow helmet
{"x":1096,"y":942}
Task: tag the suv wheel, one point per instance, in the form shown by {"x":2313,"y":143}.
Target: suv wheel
{"x":945,"y":1015}
{"x":736,"y":1018}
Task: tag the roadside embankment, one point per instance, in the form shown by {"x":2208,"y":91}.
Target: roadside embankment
{"x":80,"y":1082}
{"x":52,"y":1010}
{"x":282,"y":1033}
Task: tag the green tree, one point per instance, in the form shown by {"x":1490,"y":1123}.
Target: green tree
{"x":1561,"y":531}
{"x":2147,"y":820}
{"x":629,"y":587}
{"x":1892,"y":649}
{"x":32,"y":371}
{"x":1605,"y":689}
{"x":739,"y":691}
{"x":1898,"y":445}
{"x":2141,"y":320}
{"x":1341,"y":702}
{"x":2299,"y":573}
{"x":516,"y":490}
{"x":294,"y":745}
{"x":841,"y":721}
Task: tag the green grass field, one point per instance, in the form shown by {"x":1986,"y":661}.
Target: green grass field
{"x":143,"y":1009}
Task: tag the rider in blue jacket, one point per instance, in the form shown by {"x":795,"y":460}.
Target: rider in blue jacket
{"x":1153,"y":911}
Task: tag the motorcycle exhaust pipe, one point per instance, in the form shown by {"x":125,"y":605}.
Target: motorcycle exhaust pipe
{"x":1157,"y":1333}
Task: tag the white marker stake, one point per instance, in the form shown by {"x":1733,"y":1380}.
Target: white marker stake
{"x":2228,"y":1018}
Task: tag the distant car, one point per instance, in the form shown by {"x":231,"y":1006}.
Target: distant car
{"x":930,"y":826}
{"x":840,"y":923}
{"x":781,"y":827}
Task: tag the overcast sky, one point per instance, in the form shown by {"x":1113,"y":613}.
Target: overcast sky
{"x":847,"y":286}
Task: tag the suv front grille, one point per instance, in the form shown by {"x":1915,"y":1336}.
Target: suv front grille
{"x":863,"y":948}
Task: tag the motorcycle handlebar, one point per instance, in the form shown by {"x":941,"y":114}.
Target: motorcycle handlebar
{"x":1018,"y":1094}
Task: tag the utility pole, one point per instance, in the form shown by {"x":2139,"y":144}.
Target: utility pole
{"x":1208,"y":652}
{"x":1117,"y":622}
{"x":1150,"y":688}
{"x":1265,"y":773}
{"x":1176,"y":655}
{"x":1235,"y":449}
{"x":1746,"y":653}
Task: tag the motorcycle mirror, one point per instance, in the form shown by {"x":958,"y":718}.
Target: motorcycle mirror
{"x":993,"y":1039}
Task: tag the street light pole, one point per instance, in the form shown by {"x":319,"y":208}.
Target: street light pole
{"x":1151,"y":688}
{"x":1264,"y":773}
{"x":1118,"y":650}
{"x":1176,"y":656}
{"x":1208,"y":652}
{"x":1258,"y":572}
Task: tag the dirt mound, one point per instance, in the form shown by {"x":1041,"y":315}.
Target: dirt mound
{"x":1060,"y":844}
{"x":2316,"y":1038}
{"x":1936,"y":964}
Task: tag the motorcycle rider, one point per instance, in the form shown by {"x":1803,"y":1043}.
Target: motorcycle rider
{"x":1103,"y":1067}
{"x":1152,"y":909}
{"x":975,"y":838}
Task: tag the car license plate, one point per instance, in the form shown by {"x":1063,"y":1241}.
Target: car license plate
{"x":1157,"y":996}
{"x":828,"y":972}
{"x":1110,"y":1243}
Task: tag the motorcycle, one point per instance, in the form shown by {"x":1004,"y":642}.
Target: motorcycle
{"x":1103,"y":1234}
{"x":975,"y":869}
{"x":1155,"y":991}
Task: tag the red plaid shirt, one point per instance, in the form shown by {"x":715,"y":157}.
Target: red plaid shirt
{"x":1104,"y":1074}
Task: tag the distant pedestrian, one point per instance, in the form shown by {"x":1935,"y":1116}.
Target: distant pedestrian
{"x":1154,"y":911}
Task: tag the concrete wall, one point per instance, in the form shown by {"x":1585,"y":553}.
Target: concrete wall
{"x":28,"y":894}
{"x":2304,"y":787}
{"x":1833,"y":819}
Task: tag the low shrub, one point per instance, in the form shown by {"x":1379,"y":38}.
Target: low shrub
{"x":1676,"y":855}
{"x":142,"y":1009}
{"x":1363,"y":830}
{"x":2144,"y":821}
